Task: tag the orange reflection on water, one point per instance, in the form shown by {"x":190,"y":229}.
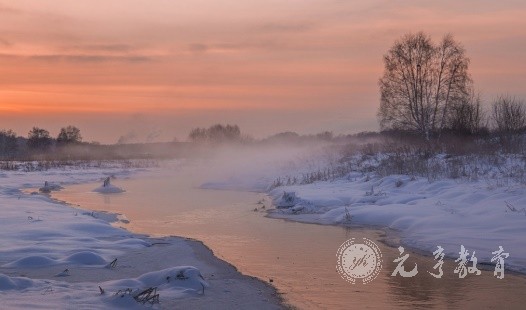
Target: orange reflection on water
{"x":299,"y":258}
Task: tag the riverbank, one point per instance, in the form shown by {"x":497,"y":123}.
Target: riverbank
{"x":57,"y":256}
{"x":481,"y":215}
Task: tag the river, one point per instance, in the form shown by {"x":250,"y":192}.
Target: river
{"x":299,"y":259}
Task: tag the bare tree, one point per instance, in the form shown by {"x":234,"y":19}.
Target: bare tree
{"x":198,"y":135}
{"x":68,"y":135}
{"x":39,"y":138}
{"x":509,"y":115}
{"x":467,"y":116}
{"x":216,"y":134}
{"x":421,"y":82}
{"x":8,"y":143}
{"x":220,"y":133}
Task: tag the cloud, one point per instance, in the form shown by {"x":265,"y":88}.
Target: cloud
{"x":115,"y":47}
{"x":91,"y":58}
{"x":4,"y":9}
{"x":5,"y":43}
{"x":287,"y":27}
{"x":80,"y":58}
{"x":198,"y":47}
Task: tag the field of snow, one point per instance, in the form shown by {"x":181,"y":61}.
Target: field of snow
{"x":447,"y":212}
{"x":54,"y":256}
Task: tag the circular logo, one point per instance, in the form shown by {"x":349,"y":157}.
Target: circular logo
{"x":360,"y":260}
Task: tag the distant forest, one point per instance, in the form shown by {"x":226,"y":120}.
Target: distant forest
{"x":69,"y":144}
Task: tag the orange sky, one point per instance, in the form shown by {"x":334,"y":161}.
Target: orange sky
{"x":161,"y":67}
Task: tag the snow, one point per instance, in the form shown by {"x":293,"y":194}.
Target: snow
{"x":49,"y":187}
{"x":60,"y":254}
{"x":86,"y":258}
{"x":12,"y":283}
{"x":446,"y":212}
{"x":483,"y":208}
{"x":287,"y":200}
{"x":55,"y":256}
{"x":108,"y":188}
{"x":185,"y":278}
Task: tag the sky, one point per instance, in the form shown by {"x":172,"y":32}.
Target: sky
{"x":151,"y":70}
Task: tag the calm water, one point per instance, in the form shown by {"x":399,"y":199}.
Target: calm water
{"x":299,"y":258}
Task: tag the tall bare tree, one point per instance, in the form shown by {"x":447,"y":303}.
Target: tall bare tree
{"x":421,"y":82}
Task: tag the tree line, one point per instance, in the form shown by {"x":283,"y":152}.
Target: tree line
{"x":216,"y":134}
{"x":426,"y":88}
{"x":38,"y":140}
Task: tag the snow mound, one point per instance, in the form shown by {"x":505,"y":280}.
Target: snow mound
{"x":6,"y":283}
{"x":187,"y":278}
{"x":287,"y":200}
{"x":84,"y":258}
{"x":31,"y":262}
{"x":175,"y":282}
{"x":110,"y":189}
{"x":14,"y":283}
{"x":49,"y":187}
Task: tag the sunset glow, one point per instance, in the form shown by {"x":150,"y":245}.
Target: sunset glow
{"x":111,"y":67}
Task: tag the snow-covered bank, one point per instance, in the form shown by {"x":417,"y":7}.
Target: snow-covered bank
{"x":55,"y":256}
{"x":479,"y":215}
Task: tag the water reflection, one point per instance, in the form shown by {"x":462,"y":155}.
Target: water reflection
{"x":299,"y":258}
{"x":107,"y":199}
